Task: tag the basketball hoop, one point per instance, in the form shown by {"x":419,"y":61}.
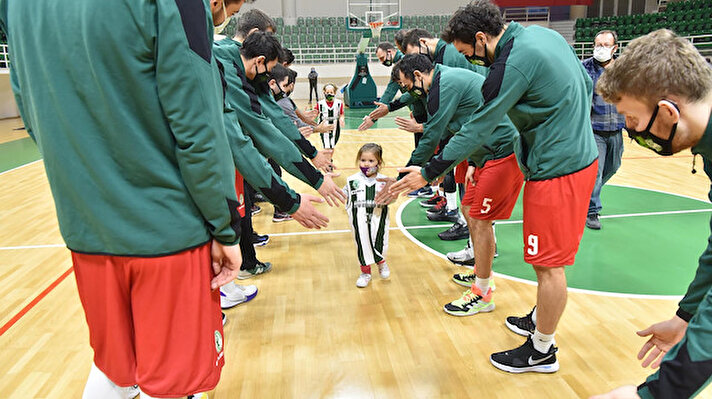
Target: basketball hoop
{"x":376,"y":27}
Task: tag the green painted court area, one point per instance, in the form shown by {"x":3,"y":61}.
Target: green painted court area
{"x":354,"y":117}
{"x":17,"y":153}
{"x":633,"y":253}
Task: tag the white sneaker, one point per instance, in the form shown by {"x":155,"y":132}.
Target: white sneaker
{"x":464,"y":256}
{"x":131,"y":392}
{"x":232,"y":294}
{"x":363,"y":280}
{"x":383,"y":270}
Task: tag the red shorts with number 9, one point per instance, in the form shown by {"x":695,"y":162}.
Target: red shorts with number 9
{"x":497,"y":186}
{"x":555,"y":215}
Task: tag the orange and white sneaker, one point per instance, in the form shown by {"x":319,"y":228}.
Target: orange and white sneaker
{"x":471,"y":302}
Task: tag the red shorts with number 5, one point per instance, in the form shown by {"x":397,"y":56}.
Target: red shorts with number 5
{"x":497,"y":186}
{"x":555,"y":215}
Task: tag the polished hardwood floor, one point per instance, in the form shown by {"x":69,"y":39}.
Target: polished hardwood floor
{"x":310,"y":333}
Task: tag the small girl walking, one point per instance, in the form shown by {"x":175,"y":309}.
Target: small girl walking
{"x":368,"y":220}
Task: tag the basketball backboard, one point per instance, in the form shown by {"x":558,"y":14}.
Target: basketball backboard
{"x":361,"y":12}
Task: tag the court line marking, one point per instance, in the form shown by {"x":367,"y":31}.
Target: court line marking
{"x":20,"y":167}
{"x":34,"y":302}
{"x":417,"y":242}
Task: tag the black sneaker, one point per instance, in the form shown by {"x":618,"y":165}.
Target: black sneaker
{"x":432,"y":202}
{"x":444,"y":216}
{"x":592,"y":222}
{"x":281,"y":217}
{"x":521,"y":325}
{"x":457,"y":231}
{"x":259,"y":240}
{"x":525,"y":359}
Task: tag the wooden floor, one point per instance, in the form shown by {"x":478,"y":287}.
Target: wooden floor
{"x":310,"y":333}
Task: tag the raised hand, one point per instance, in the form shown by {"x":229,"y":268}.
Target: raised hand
{"x":409,"y":125}
{"x":307,"y":215}
{"x":330,"y":191}
{"x":412,"y":181}
{"x":664,"y":335}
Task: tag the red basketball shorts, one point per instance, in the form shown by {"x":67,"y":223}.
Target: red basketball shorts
{"x":154,"y":322}
{"x":555,"y":215}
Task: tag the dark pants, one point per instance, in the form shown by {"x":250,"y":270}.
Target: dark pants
{"x":312,"y":87}
{"x":249,"y":256}
{"x":278,"y":171}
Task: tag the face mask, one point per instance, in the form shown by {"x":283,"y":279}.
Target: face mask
{"x":426,"y":52}
{"x":288,"y":93}
{"x":369,"y":171}
{"x":417,"y":92}
{"x":477,"y":60}
{"x":602,"y":53}
{"x":280,"y":94}
{"x":651,"y":141}
{"x":388,"y":61}
{"x":261,"y":80}
{"x":226,"y":20}
{"x":329,"y":97}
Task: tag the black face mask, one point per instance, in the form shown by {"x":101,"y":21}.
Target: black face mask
{"x":280,"y":94}
{"x":261,"y":80}
{"x":426,"y":52}
{"x":651,"y":141}
{"x":477,"y":60}
{"x":417,"y":92}
{"x":388,"y":61}
{"x":329,"y":97}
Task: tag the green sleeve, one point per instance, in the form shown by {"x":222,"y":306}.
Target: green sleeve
{"x":501,"y":93}
{"x":282,"y":122}
{"x":443,"y":108}
{"x":404,"y":100}
{"x":701,"y":283}
{"x":390,"y":92}
{"x":183,"y":77}
{"x":252,"y":166}
{"x":266,"y":137}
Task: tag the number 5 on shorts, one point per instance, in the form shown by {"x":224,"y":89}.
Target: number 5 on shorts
{"x":486,"y":205}
{"x":533,"y":245}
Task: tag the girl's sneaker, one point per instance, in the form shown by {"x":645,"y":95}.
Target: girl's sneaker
{"x":363,"y":280}
{"x":383,"y":270}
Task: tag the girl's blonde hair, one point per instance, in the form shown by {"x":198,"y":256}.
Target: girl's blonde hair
{"x":372,"y":148}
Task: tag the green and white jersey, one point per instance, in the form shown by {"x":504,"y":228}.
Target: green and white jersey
{"x":369,"y":221}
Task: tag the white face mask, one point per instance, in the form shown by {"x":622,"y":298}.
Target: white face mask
{"x":226,"y":21}
{"x":602,"y":53}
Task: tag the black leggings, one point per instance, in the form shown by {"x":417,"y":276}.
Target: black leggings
{"x":249,"y":256}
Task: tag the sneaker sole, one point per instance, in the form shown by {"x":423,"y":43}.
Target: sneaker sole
{"x":517,"y":330}
{"x":281,"y":220}
{"x":462,"y":283}
{"x":547,"y":368}
{"x":486,"y":309}
{"x":231,"y":305}
{"x":244,"y":277}
{"x":261,"y":244}
{"x":426,"y":196}
{"x":452,"y":238}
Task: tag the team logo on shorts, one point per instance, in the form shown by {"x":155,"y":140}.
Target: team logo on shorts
{"x":218,"y":341}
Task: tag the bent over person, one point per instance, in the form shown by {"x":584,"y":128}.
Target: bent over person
{"x":142,"y":178}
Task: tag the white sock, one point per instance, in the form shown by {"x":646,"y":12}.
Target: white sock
{"x":99,"y":386}
{"x":482,"y":284}
{"x":451,"y":201}
{"x":542,"y":342}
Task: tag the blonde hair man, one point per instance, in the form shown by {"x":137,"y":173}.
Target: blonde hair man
{"x":663,"y":86}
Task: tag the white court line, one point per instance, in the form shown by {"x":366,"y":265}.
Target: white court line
{"x":33,"y":247}
{"x":20,"y":167}
{"x":405,"y":232}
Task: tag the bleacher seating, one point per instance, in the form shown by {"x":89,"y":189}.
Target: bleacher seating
{"x":686,"y":18}
{"x":332,"y":33}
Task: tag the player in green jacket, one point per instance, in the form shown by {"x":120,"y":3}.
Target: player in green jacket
{"x":536,"y":79}
{"x":668,"y":111}
{"x":453,"y":94}
{"x":242,"y":73}
{"x":143,"y":180}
